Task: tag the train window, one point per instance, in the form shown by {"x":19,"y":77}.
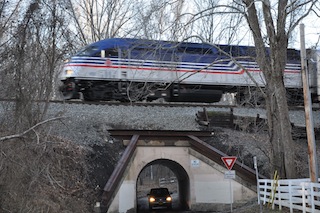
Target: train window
{"x":125,"y":54}
{"x":293,"y":54}
{"x":250,"y":51}
{"x":195,"y":50}
{"x":88,"y":51}
{"x":108,"y":53}
{"x":111,"y":53}
{"x":166,"y":55}
{"x":143,"y":53}
{"x":231,"y":50}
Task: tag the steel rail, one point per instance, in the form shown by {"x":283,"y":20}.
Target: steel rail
{"x":163,"y":104}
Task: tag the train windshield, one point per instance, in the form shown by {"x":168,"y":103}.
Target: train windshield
{"x":88,"y":51}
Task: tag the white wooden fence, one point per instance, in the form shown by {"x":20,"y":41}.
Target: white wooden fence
{"x":299,"y":194}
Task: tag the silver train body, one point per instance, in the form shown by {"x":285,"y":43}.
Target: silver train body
{"x":135,"y":69}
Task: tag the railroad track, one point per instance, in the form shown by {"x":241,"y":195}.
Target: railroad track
{"x":118,"y":103}
{"x":159,"y":103}
{"x":162,"y":104}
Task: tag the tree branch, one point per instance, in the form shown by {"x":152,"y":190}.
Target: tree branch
{"x":19,"y":135}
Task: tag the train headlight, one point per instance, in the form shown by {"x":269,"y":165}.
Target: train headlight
{"x":69,"y":72}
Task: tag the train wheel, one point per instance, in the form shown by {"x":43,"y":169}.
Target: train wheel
{"x":69,"y":90}
{"x":88,"y":95}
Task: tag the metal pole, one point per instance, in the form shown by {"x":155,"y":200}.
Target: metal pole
{"x":313,"y":168}
{"x":231,"y":194}
{"x":257,"y":177}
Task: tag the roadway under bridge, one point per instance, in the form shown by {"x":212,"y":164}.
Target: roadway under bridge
{"x":197,"y":166}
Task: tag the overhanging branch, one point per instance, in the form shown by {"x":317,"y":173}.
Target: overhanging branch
{"x":19,"y":135}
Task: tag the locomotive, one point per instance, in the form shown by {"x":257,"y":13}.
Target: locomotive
{"x":127,"y":69}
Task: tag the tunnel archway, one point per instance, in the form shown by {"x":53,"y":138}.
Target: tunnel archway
{"x":181,"y":178}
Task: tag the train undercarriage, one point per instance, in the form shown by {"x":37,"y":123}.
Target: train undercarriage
{"x":138,"y":91}
{"x":125,"y":91}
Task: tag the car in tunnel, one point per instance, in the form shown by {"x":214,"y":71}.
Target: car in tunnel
{"x":160,"y":197}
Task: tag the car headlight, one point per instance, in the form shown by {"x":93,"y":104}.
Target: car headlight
{"x":69,"y":72}
{"x":168,"y":199}
{"x":151,"y":199}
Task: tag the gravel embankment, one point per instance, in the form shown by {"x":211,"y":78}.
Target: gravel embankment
{"x":89,"y":123}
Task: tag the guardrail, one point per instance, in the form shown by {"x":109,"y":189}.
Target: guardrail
{"x":299,"y":194}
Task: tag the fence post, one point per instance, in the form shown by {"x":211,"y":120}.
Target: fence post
{"x":265,"y":192}
{"x":290,"y":196}
{"x":279,"y":194}
{"x":311,"y":197}
{"x":257,"y":177}
{"x":303,"y":197}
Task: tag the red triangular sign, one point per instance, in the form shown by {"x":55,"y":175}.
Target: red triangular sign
{"x":229,"y":161}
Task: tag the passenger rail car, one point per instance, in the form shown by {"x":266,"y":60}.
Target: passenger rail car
{"x":135,"y":69}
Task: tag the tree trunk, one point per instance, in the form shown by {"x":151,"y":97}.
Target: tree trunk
{"x":272,"y":63}
{"x":280,"y":129}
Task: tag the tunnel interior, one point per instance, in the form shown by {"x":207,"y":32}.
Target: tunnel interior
{"x":164,"y":173}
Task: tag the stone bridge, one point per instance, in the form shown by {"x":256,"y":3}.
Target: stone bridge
{"x":199,"y":171}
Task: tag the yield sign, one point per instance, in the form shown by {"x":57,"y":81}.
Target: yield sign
{"x":229,"y":161}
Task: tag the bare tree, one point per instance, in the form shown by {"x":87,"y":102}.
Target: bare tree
{"x":95,"y":20}
{"x":217,"y":28}
{"x":8,"y":13}
{"x":33,"y":39}
{"x":162,"y":20}
{"x":271,"y":25}
{"x":278,"y":28}
{"x":35,"y":47}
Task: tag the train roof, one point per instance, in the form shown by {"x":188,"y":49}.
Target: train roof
{"x":128,"y":43}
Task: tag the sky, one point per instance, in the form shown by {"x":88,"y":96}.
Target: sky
{"x":312,"y":34}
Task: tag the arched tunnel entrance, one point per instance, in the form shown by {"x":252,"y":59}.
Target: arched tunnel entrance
{"x":194,"y":165}
{"x":163,"y":173}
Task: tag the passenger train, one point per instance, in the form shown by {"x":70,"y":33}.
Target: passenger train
{"x":126,"y":69}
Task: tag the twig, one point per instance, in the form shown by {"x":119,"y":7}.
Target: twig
{"x":52,"y":179}
{"x":28,"y":130}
